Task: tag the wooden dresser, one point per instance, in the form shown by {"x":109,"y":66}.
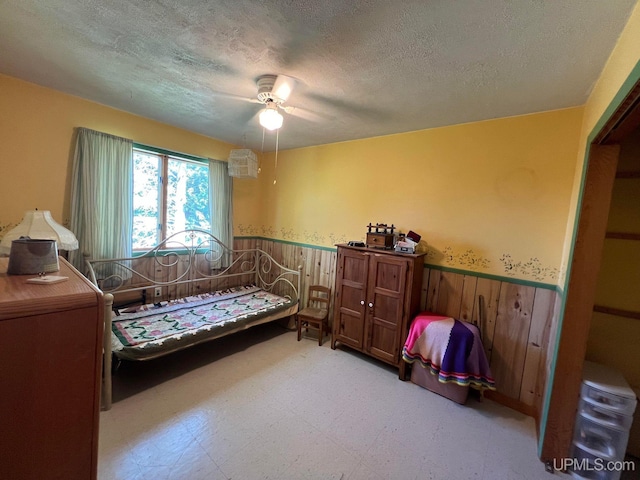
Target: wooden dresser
{"x":50,"y":375}
{"x":377,"y":294}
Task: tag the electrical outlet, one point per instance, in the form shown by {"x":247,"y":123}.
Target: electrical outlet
{"x":158,"y":291}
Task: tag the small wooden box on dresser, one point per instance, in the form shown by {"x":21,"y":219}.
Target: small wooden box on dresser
{"x":50,"y":376}
{"x":377,"y":293}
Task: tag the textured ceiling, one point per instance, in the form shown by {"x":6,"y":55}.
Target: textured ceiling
{"x":364,"y":68}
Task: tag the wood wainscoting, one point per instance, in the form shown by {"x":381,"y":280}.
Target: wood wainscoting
{"x":520,"y":319}
{"x":519,"y":328}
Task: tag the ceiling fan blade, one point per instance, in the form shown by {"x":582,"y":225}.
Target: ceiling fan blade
{"x":283,"y":86}
{"x":235,"y":97}
{"x":302,"y":113}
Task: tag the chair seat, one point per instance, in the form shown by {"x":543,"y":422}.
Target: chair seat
{"x":317,"y":314}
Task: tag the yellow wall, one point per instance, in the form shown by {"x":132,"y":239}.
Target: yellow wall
{"x":489,"y":196}
{"x":620,"y":67}
{"x":37,"y":140}
{"x":621,"y":62}
{"x":613,"y":340}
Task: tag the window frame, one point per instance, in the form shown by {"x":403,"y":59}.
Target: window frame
{"x":165,"y":156}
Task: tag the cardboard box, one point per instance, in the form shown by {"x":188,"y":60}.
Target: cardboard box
{"x":422,"y":376}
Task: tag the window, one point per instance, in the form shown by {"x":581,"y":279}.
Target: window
{"x":170,"y":194}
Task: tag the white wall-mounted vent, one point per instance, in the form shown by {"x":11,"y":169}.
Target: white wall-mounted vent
{"x":243,"y":163}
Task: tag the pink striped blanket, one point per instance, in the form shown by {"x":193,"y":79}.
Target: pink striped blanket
{"x":449,"y":348}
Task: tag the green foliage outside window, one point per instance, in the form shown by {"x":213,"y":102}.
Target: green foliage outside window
{"x":186,"y":189}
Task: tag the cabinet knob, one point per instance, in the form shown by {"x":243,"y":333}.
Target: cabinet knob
{"x":370,"y":304}
{"x":361,"y":302}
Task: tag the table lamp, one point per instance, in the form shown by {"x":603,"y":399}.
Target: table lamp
{"x":31,"y":253}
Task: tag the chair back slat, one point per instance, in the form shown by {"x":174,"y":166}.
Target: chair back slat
{"x":315,"y":295}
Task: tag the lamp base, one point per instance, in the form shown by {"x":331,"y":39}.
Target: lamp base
{"x":29,"y":256}
{"x":44,"y":280}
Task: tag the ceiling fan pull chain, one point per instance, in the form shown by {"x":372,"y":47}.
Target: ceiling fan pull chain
{"x":275,"y":168}
{"x":261,"y":152}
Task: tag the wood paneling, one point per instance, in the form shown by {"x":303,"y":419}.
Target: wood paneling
{"x":517,"y":319}
{"x":548,"y":344}
{"x":515,"y":333}
{"x":450,"y":294}
{"x":318,"y":265}
{"x":433,"y":290}
{"x":468,"y":301}
{"x":490,"y":290}
{"x":510,"y":337}
{"x":541,"y":318}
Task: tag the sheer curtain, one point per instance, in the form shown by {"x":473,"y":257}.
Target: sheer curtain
{"x":101,"y":196}
{"x":220,"y":199}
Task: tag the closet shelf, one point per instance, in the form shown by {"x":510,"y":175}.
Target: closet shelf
{"x":616,"y":311}
{"x":628,"y":175}
{"x":623,"y":235}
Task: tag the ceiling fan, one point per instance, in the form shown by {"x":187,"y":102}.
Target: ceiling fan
{"x":273,"y":92}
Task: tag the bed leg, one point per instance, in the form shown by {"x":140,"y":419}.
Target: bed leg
{"x":106,"y":383}
{"x":115,"y":364}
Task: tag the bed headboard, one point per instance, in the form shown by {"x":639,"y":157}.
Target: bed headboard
{"x":191,"y":262}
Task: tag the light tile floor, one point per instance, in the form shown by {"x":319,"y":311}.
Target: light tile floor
{"x":261,"y":405}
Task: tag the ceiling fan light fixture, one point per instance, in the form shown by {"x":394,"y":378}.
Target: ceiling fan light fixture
{"x":270,"y":118}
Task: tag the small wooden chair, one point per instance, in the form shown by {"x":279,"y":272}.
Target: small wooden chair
{"x":316,"y":313}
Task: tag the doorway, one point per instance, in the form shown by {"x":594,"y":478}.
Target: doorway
{"x":579,"y":297}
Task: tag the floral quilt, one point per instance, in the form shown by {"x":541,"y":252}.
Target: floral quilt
{"x":151,"y":325}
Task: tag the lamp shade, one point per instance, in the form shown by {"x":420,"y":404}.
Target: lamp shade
{"x":39,"y":225}
{"x":270,"y":118}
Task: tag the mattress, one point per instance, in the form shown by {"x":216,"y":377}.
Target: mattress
{"x":149,"y":331}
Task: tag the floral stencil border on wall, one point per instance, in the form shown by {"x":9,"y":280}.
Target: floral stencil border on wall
{"x":290,"y":234}
{"x":531,"y":268}
{"x":468,"y":259}
{"x":465,"y":259}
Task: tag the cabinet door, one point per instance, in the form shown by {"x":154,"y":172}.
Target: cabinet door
{"x":348,"y":323}
{"x":385,"y":306}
